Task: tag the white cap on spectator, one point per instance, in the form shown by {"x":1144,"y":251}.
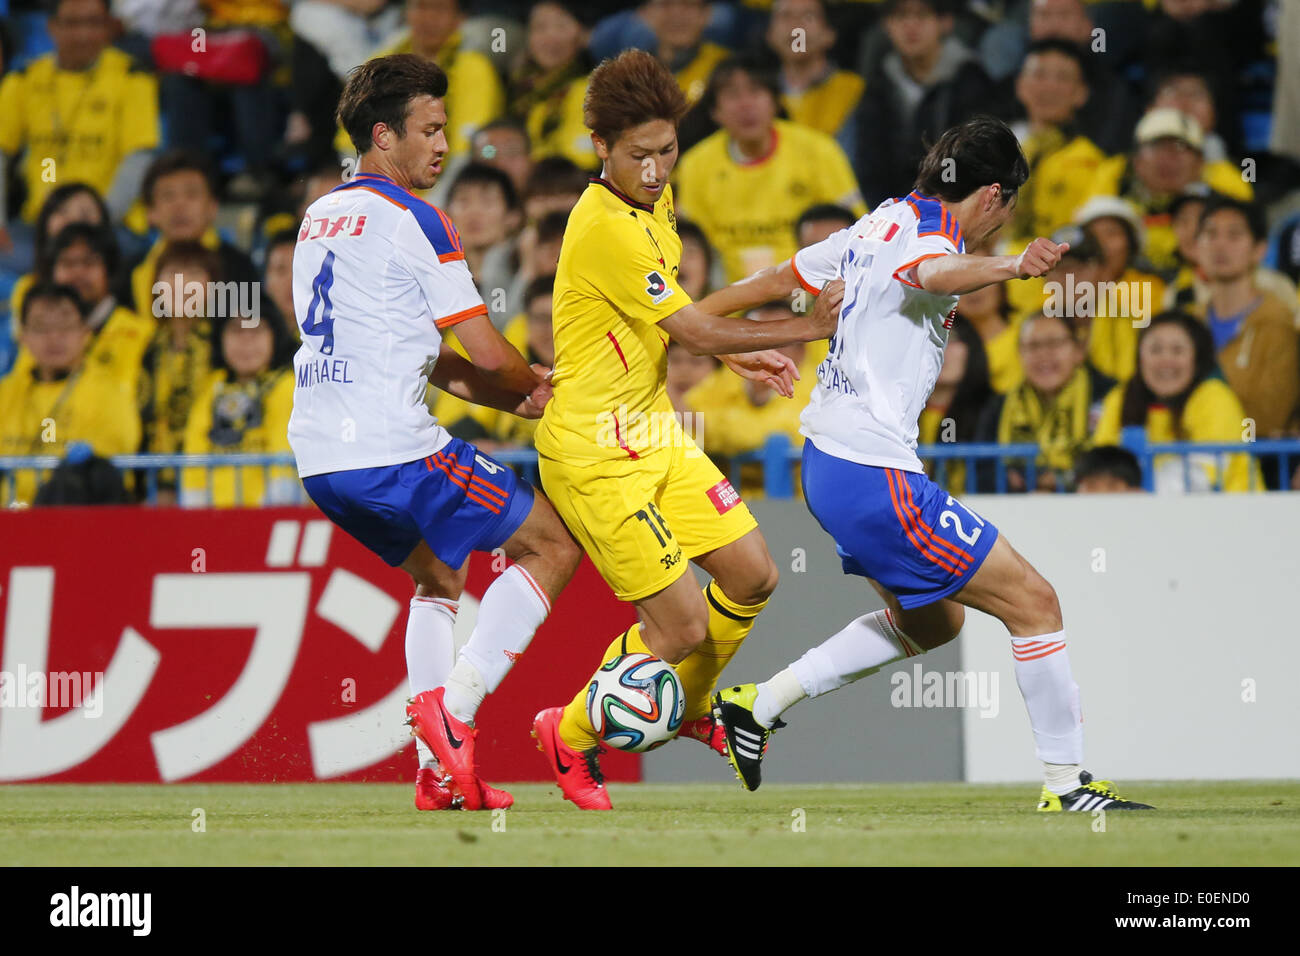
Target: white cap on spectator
{"x":1169,"y":123}
{"x":1112,"y":207}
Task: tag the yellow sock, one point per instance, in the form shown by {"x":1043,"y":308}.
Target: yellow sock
{"x":729,"y":623}
{"x":575,"y":726}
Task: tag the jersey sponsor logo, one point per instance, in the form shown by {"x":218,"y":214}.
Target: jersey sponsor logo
{"x":723,"y":496}
{"x":657,"y":287}
{"x":952,"y":317}
{"x":331,"y":227}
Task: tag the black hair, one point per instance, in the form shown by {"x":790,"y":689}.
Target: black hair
{"x":554,"y":176}
{"x":1063,"y":48}
{"x":970,"y":156}
{"x":177,"y":160}
{"x":99,"y":239}
{"x":1249,"y":211}
{"x":481,"y":174}
{"x":941,"y":8}
{"x":974,"y":390}
{"x":551,"y":226}
{"x":537,"y":287}
{"x":822,"y":212}
{"x":1109,"y":460}
{"x":282,"y":346}
{"x":53,"y":202}
{"x":1138,"y":397}
{"x":381,"y":91}
{"x":758,"y":68}
{"x":688,"y":229}
{"x":47,"y":291}
{"x":506,"y":123}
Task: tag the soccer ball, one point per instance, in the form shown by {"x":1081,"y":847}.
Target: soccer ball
{"x":636,"y":702}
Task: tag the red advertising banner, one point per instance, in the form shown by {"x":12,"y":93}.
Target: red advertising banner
{"x":244,"y":645}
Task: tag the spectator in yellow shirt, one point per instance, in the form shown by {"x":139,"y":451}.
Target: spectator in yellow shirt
{"x":84,"y":113}
{"x":730,"y":415}
{"x":678,"y":27}
{"x":814,"y":91}
{"x":1052,"y":87}
{"x":475,"y":93}
{"x":546,"y":89}
{"x":530,"y":334}
{"x":179,"y":362}
{"x":1056,"y":406}
{"x":1124,"y":297}
{"x":1167,"y":158}
{"x":277,"y":280}
{"x":60,"y":399}
{"x":181,"y":200}
{"x":66,"y":204}
{"x":85,"y":257}
{"x":1174,"y":397}
{"x":695,"y":273}
{"x":244,"y":408}
{"x":954,"y":410}
{"x":989,"y":313}
{"x":746,"y":184}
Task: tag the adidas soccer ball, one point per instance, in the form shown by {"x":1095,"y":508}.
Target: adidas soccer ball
{"x":636,"y":702}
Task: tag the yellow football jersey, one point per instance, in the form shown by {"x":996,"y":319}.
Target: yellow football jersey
{"x":748,"y":210}
{"x":117,"y":348}
{"x":76,"y":126}
{"x":616,"y":280}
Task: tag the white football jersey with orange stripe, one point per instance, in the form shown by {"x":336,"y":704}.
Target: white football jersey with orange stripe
{"x":377,"y":272}
{"x":888,"y":348}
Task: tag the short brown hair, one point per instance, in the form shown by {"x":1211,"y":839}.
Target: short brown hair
{"x":628,"y":90}
{"x":186,"y":253}
{"x":381,"y":90}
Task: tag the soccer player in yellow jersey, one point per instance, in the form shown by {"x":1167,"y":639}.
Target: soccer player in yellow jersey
{"x":632,"y":487}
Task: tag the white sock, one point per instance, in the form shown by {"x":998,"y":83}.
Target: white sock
{"x":512,"y":610}
{"x":862,"y":648}
{"x":430,"y":651}
{"x":1052,"y":699}
{"x":776,"y":695}
{"x":1061,"y":778}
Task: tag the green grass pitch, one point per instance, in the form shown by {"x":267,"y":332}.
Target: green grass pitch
{"x":1222,"y":823}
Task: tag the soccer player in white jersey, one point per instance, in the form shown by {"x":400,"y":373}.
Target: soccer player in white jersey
{"x":378,"y":275}
{"x":928,"y":555}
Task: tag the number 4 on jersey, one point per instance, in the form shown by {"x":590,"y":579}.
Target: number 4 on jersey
{"x":320,"y":299}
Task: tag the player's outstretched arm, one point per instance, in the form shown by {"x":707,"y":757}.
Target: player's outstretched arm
{"x":707,"y":334}
{"x":498,"y":362}
{"x":454,"y":375}
{"x":774,"y":282}
{"x":959,"y":274}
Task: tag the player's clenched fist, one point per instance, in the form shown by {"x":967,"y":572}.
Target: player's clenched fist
{"x":826,"y":313}
{"x":1039,"y":258}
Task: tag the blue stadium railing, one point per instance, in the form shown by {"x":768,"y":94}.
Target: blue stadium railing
{"x":776,"y":459}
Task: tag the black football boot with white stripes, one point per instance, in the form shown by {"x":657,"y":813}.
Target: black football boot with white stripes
{"x":1090,"y":795}
{"x":733,"y":709}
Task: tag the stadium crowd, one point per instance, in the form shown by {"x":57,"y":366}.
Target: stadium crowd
{"x":156,"y":157}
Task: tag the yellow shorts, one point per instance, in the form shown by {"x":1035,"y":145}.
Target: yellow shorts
{"x":642,"y":521}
